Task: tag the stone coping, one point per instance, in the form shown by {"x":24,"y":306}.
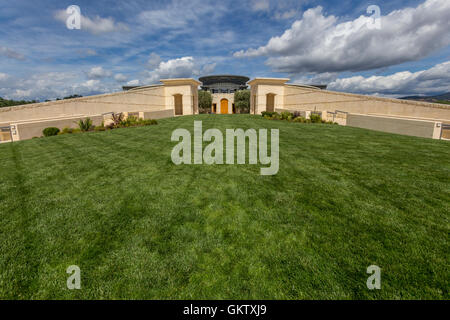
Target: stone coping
{"x":366,"y":97}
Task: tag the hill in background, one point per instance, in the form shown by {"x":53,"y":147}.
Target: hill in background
{"x":442,"y":98}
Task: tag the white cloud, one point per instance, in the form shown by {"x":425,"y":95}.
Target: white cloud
{"x":120,"y":77}
{"x":52,"y":85}
{"x":95,"y":25}
{"x":9,"y":53}
{"x":133,"y":82}
{"x":433,"y":80}
{"x":320,"y":43}
{"x":98,"y":73}
{"x":184,"y":67}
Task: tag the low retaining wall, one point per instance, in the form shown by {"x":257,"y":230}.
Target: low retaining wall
{"x":31,"y":129}
{"x":159,"y":114}
{"x":410,"y":127}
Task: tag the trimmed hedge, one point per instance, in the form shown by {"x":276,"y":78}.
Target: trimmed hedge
{"x":51,"y":131}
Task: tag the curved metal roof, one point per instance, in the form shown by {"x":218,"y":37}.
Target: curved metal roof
{"x":225,"y":78}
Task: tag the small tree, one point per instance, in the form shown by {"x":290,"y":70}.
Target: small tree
{"x":242,"y":101}
{"x":204,"y":101}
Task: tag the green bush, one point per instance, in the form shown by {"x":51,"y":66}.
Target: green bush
{"x":296,"y":114}
{"x":315,"y":118}
{"x":267,"y":113}
{"x":276,"y":116}
{"x":51,"y":131}
{"x":299,"y":119}
{"x":285,"y":115}
{"x":149,"y":122}
{"x":85,"y":125}
{"x":131,"y":121}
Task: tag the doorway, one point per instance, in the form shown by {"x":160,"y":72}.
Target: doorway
{"x":270,"y":106}
{"x":224,"y":106}
{"x":178,"y":104}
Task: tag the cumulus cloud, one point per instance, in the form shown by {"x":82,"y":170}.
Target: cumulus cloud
{"x":320,"y":43}
{"x":9,"y":53}
{"x":433,"y":80}
{"x":51,"y":85}
{"x":98,"y":73}
{"x":184,"y":67}
{"x":95,"y":25}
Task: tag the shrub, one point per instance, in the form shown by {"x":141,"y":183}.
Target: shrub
{"x":117,"y":118}
{"x":296,"y":114}
{"x":85,"y":125}
{"x":315,"y":118}
{"x":51,"y":131}
{"x":276,"y":116}
{"x":131,"y":121}
{"x":267,"y":113}
{"x":285,"y":115}
{"x":299,"y":119}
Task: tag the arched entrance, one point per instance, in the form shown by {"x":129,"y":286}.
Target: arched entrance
{"x":224,"y":106}
{"x":270,"y":106}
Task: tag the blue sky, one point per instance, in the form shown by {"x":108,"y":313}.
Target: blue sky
{"x":140,"y":42}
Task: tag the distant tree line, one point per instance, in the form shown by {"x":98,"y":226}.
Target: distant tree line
{"x":10,"y":103}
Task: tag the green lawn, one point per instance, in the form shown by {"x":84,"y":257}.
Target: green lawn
{"x":140,"y":227}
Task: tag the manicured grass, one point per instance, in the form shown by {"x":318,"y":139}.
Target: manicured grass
{"x":140,"y":227}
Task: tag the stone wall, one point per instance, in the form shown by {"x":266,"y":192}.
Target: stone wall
{"x":156,"y":101}
{"x":410,"y":127}
{"x":304,"y":98}
{"x":145,"y":99}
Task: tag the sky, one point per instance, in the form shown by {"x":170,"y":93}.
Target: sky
{"x":403,"y":50}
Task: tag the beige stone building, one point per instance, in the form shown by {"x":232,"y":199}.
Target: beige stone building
{"x":222,"y":89}
{"x":177,"y":97}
